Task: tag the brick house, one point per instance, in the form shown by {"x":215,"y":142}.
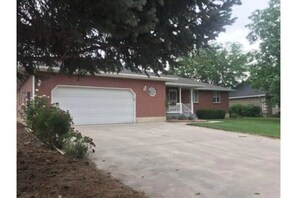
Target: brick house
{"x":126,"y":97}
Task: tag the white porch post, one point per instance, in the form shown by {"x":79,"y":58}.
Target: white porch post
{"x":180,"y":101}
{"x":192,"y":108}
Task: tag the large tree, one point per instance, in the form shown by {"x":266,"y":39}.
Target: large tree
{"x":265,"y":70}
{"x":223,"y":65}
{"x":109,"y":35}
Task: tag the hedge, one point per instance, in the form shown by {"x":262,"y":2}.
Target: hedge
{"x":210,"y":114}
{"x":245,"y":110}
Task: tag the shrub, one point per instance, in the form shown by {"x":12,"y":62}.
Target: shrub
{"x":245,"y":110}
{"x":192,"y":117}
{"x":171,"y":116}
{"x":210,"y":114}
{"x":182,"y":117}
{"x":78,"y":145}
{"x":277,"y":115}
{"x":49,"y":123}
{"x":76,"y":149}
{"x":52,"y":125}
{"x":234,"y":115}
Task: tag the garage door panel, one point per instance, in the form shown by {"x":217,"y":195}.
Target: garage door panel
{"x":96,"y":105}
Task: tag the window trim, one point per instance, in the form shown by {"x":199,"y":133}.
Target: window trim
{"x":217,"y":96}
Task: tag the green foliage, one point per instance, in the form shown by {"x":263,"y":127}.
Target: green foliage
{"x":49,"y":123}
{"x":219,"y":65}
{"x":91,"y":36}
{"x":265,"y":67}
{"x":52,"y":125}
{"x":77,"y":150}
{"x":210,"y":114}
{"x":234,"y":115}
{"x":182,"y":117}
{"x":245,"y":110}
{"x":277,"y":115}
{"x":77,"y":145}
{"x":171,"y":116}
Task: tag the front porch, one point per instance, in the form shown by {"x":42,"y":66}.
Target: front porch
{"x":180,"y":100}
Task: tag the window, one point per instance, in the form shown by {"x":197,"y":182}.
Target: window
{"x":152,"y":91}
{"x":195,"y":96}
{"x":216,"y":97}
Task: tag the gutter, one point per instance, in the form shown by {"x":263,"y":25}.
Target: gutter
{"x":252,"y":96}
{"x":214,"y":89}
{"x":182,"y":85}
{"x":117,"y":75}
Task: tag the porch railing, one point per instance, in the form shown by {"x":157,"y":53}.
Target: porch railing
{"x":179,"y":108}
{"x":185,"y":110}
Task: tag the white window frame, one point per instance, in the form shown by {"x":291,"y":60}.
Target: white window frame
{"x":195,"y":96}
{"x":216,"y":97}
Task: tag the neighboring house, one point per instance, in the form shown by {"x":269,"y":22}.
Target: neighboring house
{"x":245,"y":95}
{"x":126,"y":97}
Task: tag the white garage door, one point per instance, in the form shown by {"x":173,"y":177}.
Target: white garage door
{"x":96,"y":105}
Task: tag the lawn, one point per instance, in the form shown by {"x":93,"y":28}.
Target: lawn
{"x":260,"y":126}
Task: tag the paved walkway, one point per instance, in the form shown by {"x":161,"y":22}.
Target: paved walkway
{"x":176,"y":160}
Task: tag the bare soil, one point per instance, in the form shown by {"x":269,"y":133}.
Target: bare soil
{"x":42,"y":172}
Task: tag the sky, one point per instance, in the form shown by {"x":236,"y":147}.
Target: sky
{"x":237,"y":32}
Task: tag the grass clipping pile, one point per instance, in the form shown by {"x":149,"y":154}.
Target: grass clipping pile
{"x":42,"y":172}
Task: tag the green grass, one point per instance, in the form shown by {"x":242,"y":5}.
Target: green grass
{"x":260,"y":126}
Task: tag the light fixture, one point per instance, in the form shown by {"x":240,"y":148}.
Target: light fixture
{"x":39,"y":83}
{"x":144,"y":88}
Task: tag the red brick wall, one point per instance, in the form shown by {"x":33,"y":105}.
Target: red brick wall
{"x":186,"y":96}
{"x":205,"y":101}
{"x":22,"y":92}
{"x":146,"y":106}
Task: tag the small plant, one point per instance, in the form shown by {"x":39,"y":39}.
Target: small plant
{"x":77,"y":148}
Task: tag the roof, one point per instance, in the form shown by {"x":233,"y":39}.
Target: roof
{"x":185,"y":82}
{"x":246,"y":91}
{"x":170,"y":80}
{"x":122,"y":74}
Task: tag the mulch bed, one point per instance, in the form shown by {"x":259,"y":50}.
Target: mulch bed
{"x":42,"y":172}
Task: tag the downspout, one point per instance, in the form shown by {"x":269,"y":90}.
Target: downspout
{"x":33,"y":87}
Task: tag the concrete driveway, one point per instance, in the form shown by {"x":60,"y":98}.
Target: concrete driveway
{"x":176,"y":160}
